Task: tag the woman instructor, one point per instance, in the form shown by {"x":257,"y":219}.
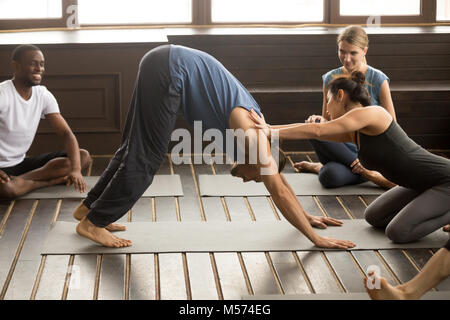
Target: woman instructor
{"x":420,"y":204}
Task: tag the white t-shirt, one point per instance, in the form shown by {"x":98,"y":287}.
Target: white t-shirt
{"x":19,"y":120}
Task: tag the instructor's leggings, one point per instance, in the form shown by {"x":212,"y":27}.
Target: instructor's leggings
{"x":409,"y":215}
{"x":336,"y":158}
{"x":145,"y":140}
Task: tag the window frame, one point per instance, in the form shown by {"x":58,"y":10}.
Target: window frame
{"x":197,"y":13}
{"x":441,"y":21}
{"x":324,"y":20}
{"x":39,"y":23}
{"x":201,"y":16}
{"x":427,"y":15}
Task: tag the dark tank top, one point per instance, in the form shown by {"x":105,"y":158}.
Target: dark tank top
{"x":402,"y":161}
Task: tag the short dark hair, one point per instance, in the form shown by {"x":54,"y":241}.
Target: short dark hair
{"x":20,"y":50}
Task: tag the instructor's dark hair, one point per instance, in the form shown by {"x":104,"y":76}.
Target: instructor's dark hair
{"x":354,"y":85}
{"x":19,"y":51}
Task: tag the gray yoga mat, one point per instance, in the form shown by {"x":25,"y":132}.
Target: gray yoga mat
{"x":164,"y":237}
{"x":432,"y":295}
{"x":303,"y":184}
{"x":162,"y":186}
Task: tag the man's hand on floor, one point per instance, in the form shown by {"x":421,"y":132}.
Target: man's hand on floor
{"x":77,"y":180}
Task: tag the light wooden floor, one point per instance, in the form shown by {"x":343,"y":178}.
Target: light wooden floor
{"x":25,"y":274}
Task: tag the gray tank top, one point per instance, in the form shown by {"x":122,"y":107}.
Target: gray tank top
{"x":402,"y":161}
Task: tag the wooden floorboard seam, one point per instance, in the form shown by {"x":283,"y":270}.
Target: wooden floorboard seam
{"x":38,"y":278}
{"x":5,"y":217}
{"x":403,"y":251}
{"x":344,"y":207}
{"x":98,"y":271}
{"x":333,"y":272}
{"x":68,"y":278}
{"x":388,"y":267}
{"x":303,"y":272}
{"x":217,"y":280}
{"x":203,"y":217}
{"x":44,"y":257}
{"x":274,"y":272}
{"x":19,"y":250}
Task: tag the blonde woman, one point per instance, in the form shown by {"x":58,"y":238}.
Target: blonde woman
{"x":334,"y":168}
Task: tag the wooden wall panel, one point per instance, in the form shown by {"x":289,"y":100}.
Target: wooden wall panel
{"x":283,"y":72}
{"x":94,"y":81}
{"x":90,"y":102}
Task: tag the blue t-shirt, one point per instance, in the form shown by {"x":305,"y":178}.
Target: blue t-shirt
{"x":374,"y":78}
{"x":209,"y":91}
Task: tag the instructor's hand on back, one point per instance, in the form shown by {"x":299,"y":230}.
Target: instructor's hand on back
{"x":260,"y":123}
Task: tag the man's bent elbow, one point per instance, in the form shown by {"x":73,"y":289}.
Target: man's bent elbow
{"x":85,"y":158}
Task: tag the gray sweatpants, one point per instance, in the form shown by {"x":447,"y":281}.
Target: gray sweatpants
{"x":409,"y":215}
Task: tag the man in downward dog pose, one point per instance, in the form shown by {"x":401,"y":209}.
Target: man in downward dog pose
{"x":172,"y":77}
{"x":23,"y":102}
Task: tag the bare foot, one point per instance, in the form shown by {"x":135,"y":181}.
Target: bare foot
{"x":100,"y":235}
{"x":81,"y":211}
{"x":446,"y":228}
{"x":306,"y":166}
{"x":386,"y":292}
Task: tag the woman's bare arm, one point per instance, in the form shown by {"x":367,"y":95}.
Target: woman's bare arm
{"x":325,"y":114}
{"x":386,"y":99}
{"x":339,"y":129}
{"x":372,"y":120}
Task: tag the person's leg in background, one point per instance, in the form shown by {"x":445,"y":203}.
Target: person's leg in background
{"x":384,"y":208}
{"x":436,"y":270}
{"x":83,"y":208}
{"x":423,"y":215}
{"x":37,"y":172}
{"x":334,"y":168}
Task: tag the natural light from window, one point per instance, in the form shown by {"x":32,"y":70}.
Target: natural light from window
{"x":134,"y":11}
{"x":443,"y":10}
{"x":380,"y":7}
{"x":26,"y":9}
{"x":266,"y":11}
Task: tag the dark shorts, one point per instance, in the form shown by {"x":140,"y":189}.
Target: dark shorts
{"x":447,"y":246}
{"x":32,"y":163}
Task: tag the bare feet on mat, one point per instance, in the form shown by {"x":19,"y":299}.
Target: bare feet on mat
{"x":306,"y":166}
{"x":100,"y":235}
{"x":446,"y":228}
{"x":385,"y":291}
{"x":81,"y":211}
